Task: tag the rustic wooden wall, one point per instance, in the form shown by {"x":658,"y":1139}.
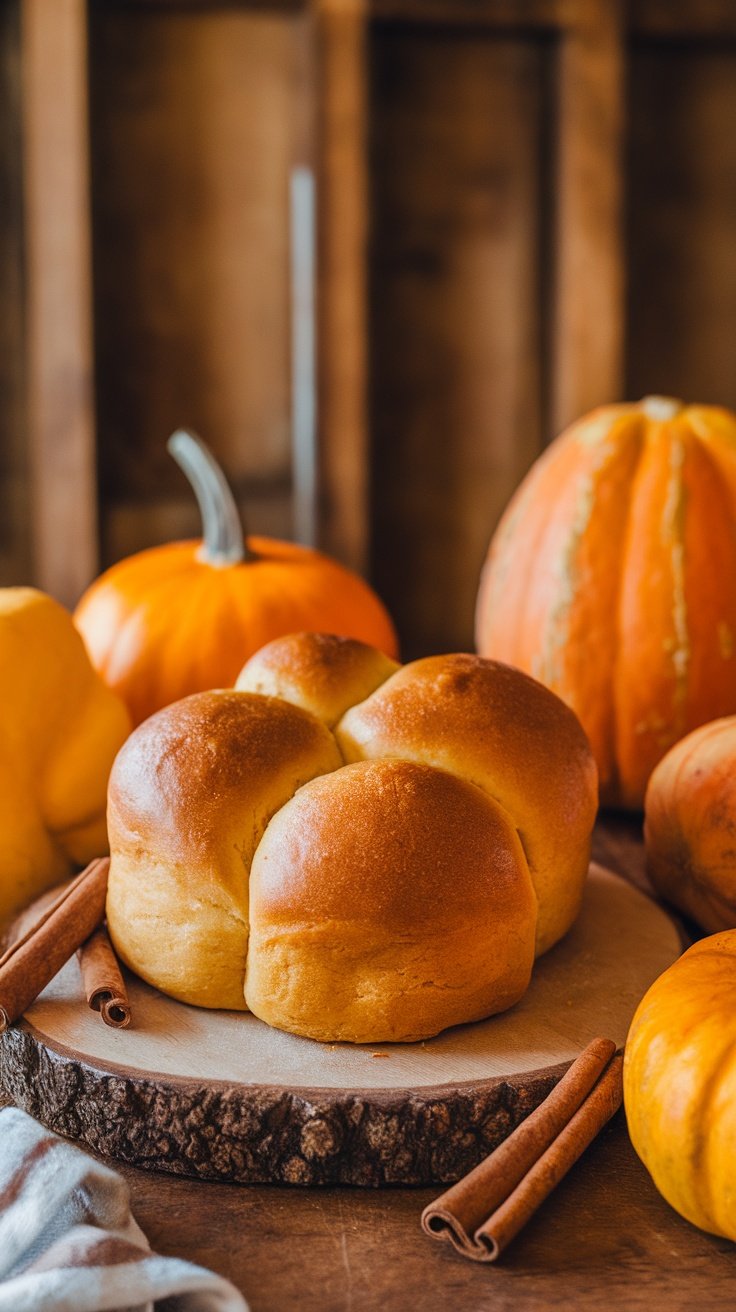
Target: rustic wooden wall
{"x":15,"y":531}
{"x":458,"y":161}
{"x":524,"y":208}
{"x":682,"y":220}
{"x":193,"y":117}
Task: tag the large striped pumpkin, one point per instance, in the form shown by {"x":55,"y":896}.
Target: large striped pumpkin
{"x":612,"y":579}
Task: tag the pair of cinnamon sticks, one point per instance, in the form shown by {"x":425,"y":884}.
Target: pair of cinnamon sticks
{"x":47,"y":937}
{"x":484,"y":1211}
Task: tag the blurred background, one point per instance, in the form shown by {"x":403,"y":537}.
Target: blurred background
{"x":376,"y":252}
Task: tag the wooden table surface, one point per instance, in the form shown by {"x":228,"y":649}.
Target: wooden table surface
{"x":604,"y":1239}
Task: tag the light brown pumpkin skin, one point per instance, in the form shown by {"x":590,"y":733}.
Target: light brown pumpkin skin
{"x":680,"y":1084}
{"x":612,"y":579}
{"x":690,"y":825}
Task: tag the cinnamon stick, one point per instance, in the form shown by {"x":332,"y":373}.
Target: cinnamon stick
{"x":103,"y":982}
{"x":31,"y":962}
{"x":483,"y":1212}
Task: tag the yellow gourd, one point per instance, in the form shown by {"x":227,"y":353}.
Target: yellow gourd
{"x":60,"y":729}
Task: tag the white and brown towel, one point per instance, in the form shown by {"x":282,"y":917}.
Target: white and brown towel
{"x":68,"y":1240}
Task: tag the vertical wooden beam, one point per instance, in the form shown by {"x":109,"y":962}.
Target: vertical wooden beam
{"x":342,"y":190}
{"x":58,"y":308}
{"x":588,"y":315}
{"x":303,"y":279}
{"x":14,"y":515}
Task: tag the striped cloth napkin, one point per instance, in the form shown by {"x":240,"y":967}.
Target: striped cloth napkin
{"x":68,"y":1240}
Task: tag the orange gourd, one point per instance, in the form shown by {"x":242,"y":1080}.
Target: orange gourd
{"x":680,"y":1084}
{"x":690,"y":825}
{"x":184,"y":617}
{"x":612,"y":579}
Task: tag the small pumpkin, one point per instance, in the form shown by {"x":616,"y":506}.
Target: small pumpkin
{"x":60,"y":730}
{"x":690,"y":825}
{"x":184,"y":617}
{"x":680,"y":1084}
{"x":612,"y":579}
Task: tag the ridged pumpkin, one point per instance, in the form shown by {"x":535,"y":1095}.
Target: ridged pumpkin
{"x":690,"y":825}
{"x":612,"y":579}
{"x":184,"y":617}
{"x":680,"y":1084}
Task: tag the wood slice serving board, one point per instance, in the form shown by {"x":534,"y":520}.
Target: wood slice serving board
{"x":220,"y":1095}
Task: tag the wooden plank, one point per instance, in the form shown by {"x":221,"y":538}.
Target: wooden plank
{"x":683,"y":18}
{"x":15,"y":538}
{"x":342,"y":191}
{"x":456,"y":339}
{"x":59,"y":340}
{"x":588,"y":314}
{"x":674,"y":18}
{"x":276,"y":6}
{"x":503,"y":15}
{"x":193,"y":120}
{"x":303,"y":290}
{"x":682,"y":229}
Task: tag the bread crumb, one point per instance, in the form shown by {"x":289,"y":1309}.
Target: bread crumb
{"x":380,"y":1054}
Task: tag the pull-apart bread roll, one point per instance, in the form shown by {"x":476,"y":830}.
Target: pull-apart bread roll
{"x":190,"y":795}
{"x":388,"y":901}
{"x":320,"y":672}
{"x":382,"y":899}
{"x":503,"y":731}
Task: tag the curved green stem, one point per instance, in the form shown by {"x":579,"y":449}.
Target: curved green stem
{"x":224,"y":543}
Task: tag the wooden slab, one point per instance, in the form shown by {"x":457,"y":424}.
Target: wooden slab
{"x":221,"y":1095}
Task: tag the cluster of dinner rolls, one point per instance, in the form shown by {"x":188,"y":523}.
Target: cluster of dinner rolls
{"x":352,"y":849}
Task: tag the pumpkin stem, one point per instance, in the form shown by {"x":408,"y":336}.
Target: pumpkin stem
{"x":661,"y":408}
{"x":223,"y":543}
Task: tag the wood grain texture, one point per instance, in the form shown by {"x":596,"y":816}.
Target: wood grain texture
{"x":588,"y":308}
{"x":15,"y":528}
{"x":683,"y":18}
{"x":516,"y":15}
{"x":219,"y":1095}
{"x":266,"y":1135}
{"x":342,"y":218}
{"x":193,"y":125}
{"x":682,"y":222}
{"x":61,"y":427}
{"x":605,"y":1239}
{"x":456,"y":330}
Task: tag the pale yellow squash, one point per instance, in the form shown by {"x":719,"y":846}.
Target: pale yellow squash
{"x":60,"y":729}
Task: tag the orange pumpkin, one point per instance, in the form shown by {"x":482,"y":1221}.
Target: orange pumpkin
{"x":184,"y":617}
{"x":612,"y":579}
{"x":690,"y":825}
{"x":680,"y":1084}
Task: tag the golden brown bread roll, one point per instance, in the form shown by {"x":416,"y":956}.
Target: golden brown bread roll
{"x":320,"y":672}
{"x":388,"y":901}
{"x":499,"y":728}
{"x":389,"y":897}
{"x":190,"y":795}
